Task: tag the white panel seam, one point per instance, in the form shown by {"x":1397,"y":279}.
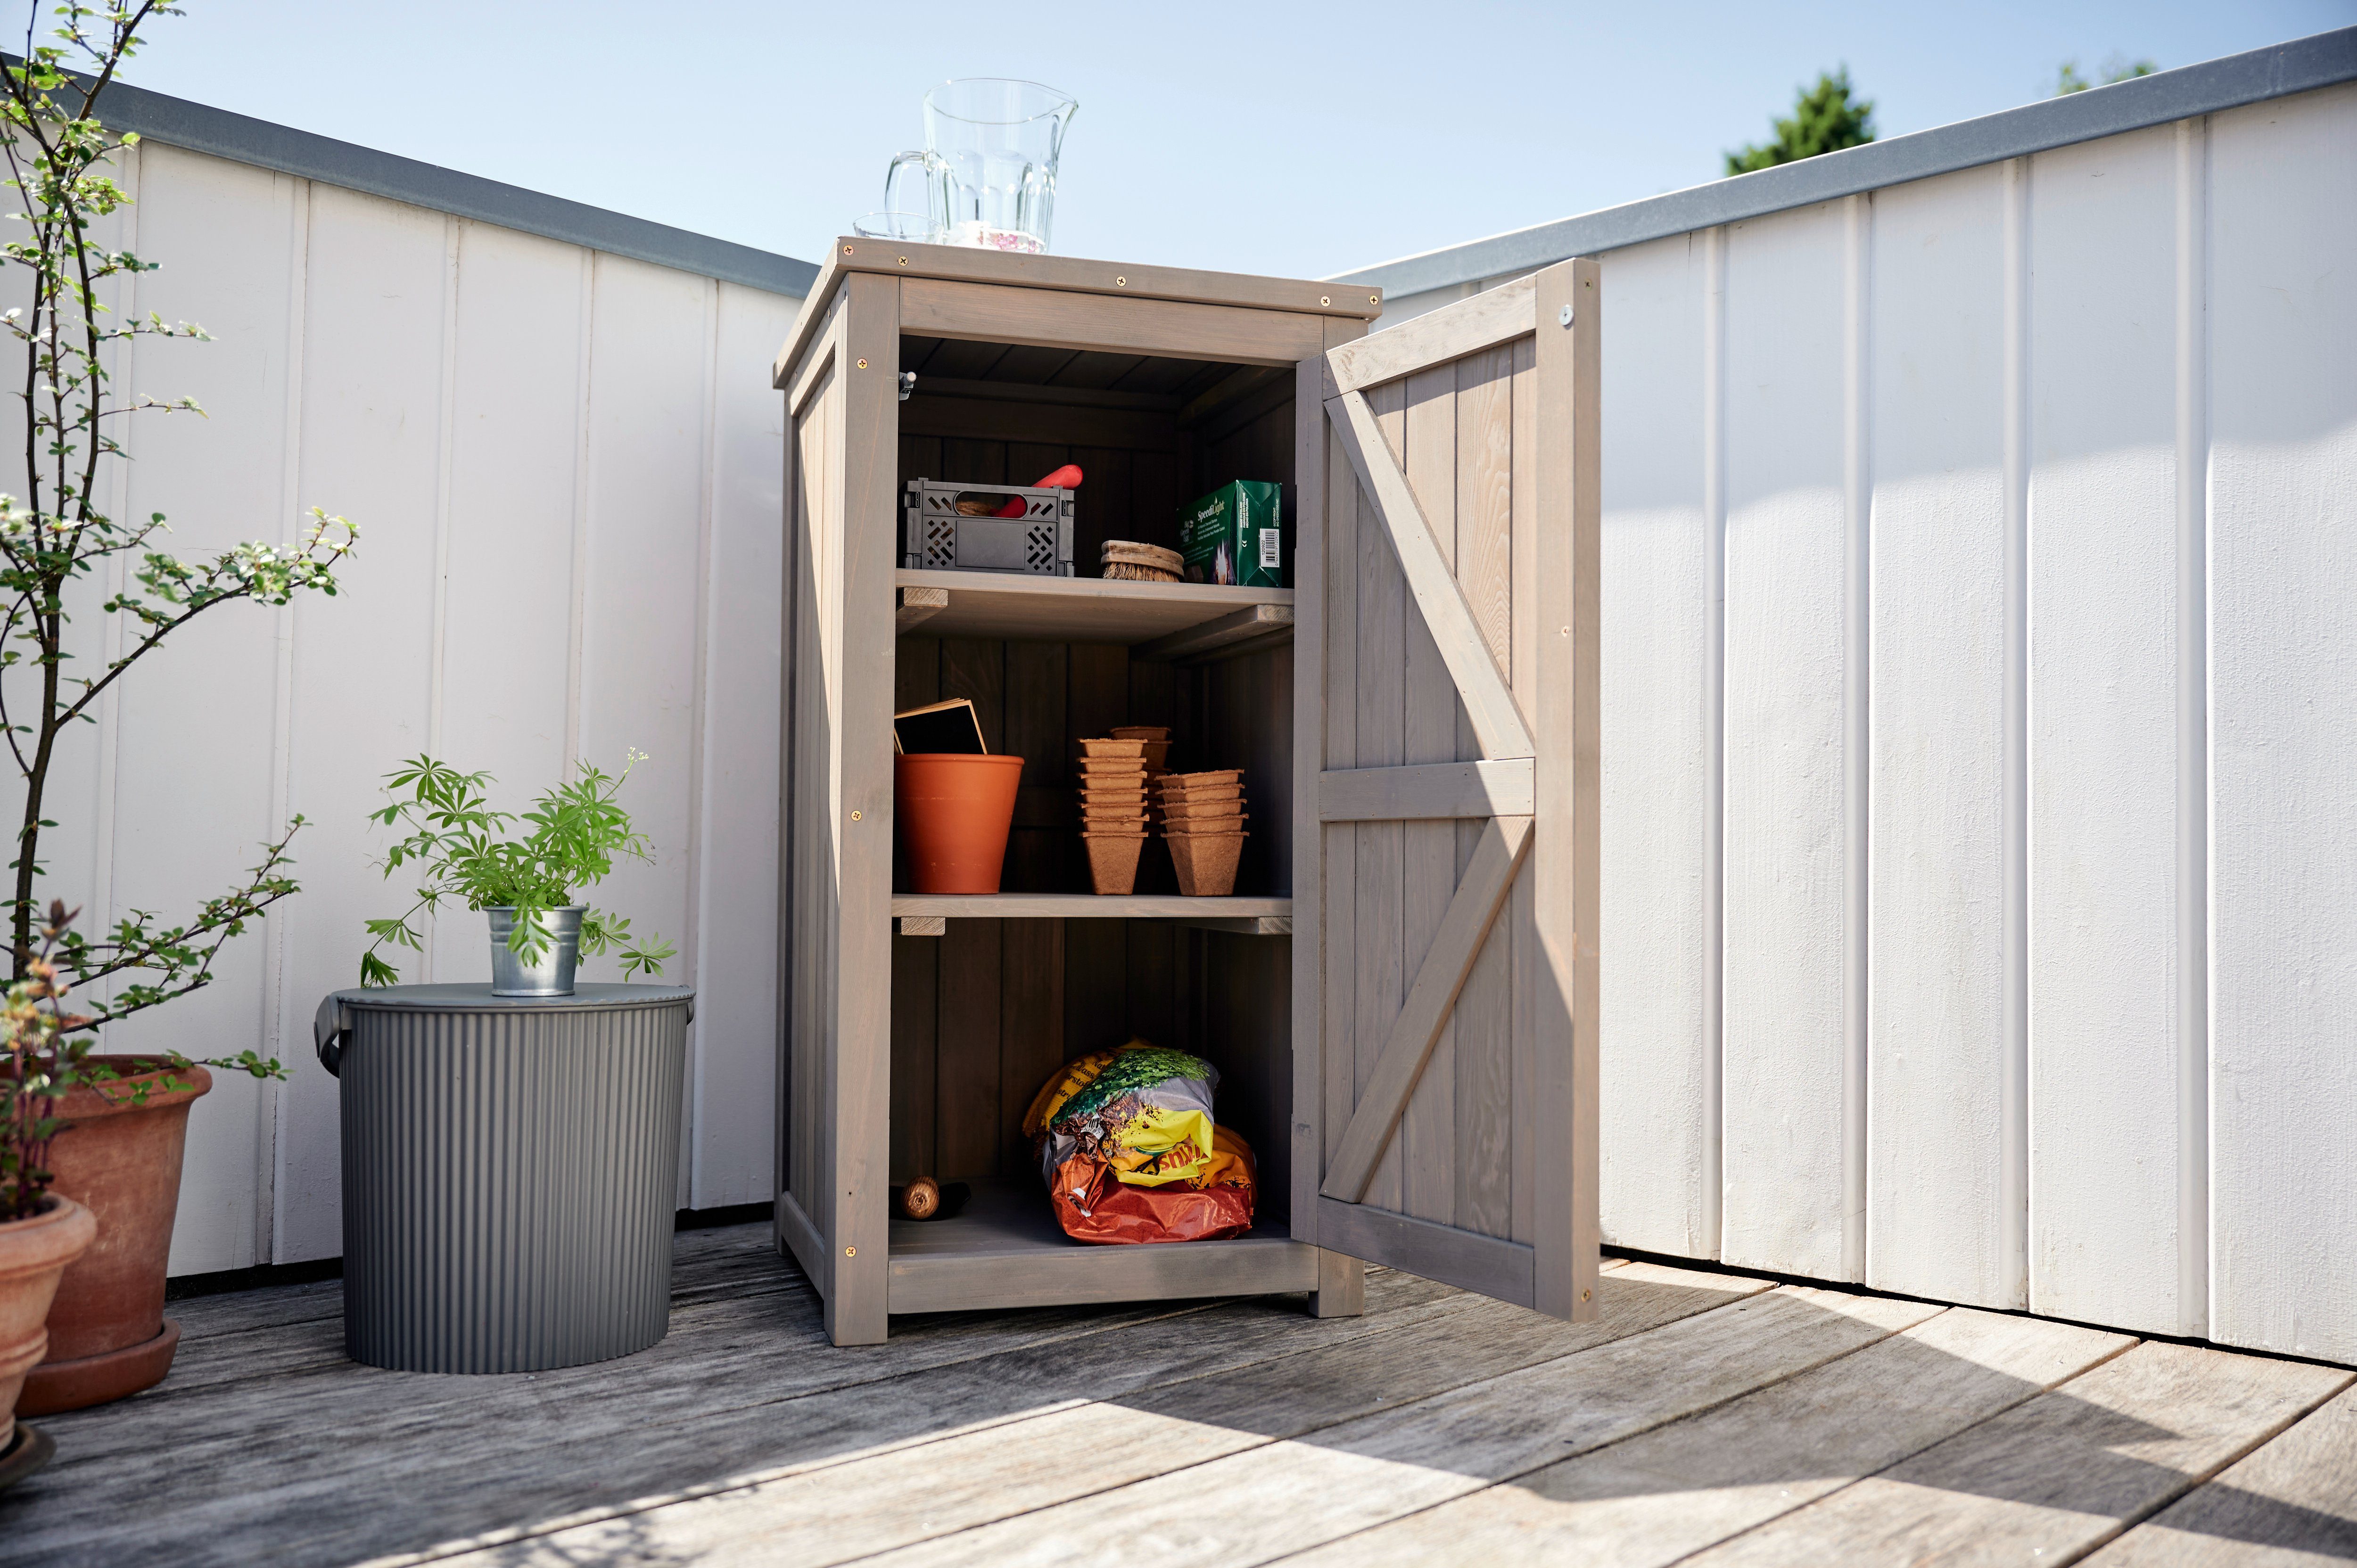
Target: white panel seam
{"x":2193,"y":1205}
{"x":445,"y":457}
{"x":1857,"y":727}
{"x":699,"y":806}
{"x":1714,"y":977}
{"x":2014,"y":1195}
{"x":274,"y":999}
{"x":101,"y":902}
{"x":578,"y":607}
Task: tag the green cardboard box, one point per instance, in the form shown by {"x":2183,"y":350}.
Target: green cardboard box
{"x":1237,"y":535}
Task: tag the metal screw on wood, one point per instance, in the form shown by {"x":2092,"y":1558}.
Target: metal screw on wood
{"x":863,"y":364}
{"x":904,"y":260}
{"x":851,"y":1251}
{"x":1564,"y":316}
{"x":1121,"y":282}
{"x":846,"y":249}
{"x":1374,"y":299}
{"x":1323,"y":299}
{"x":854,"y":816}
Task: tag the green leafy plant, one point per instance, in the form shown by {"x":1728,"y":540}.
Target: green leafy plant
{"x":1826,"y":119}
{"x":577,"y":829}
{"x":55,"y":532}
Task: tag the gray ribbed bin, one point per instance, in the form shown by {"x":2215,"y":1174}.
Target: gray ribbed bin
{"x":510,"y":1165}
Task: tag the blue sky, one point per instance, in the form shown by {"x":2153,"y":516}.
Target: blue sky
{"x":1272,"y":137}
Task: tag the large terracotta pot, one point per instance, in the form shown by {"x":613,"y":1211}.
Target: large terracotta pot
{"x":33,"y":1254}
{"x":108,"y":1334}
{"x":953,"y":812}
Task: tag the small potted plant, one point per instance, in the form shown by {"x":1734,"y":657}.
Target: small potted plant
{"x":524,"y":884}
{"x":41,"y":1231}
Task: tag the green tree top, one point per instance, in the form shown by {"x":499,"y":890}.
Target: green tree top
{"x":1826,"y":120}
{"x":2119,"y":68}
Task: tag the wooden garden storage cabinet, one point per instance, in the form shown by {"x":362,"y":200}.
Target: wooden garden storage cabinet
{"x":1401,"y":994}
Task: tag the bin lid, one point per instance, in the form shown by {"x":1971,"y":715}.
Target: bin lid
{"x":329,"y":1028}
{"x":478,"y":997}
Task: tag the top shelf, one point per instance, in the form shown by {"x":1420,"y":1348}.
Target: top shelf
{"x":1159,"y":620}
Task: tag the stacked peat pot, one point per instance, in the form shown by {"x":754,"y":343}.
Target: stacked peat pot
{"x":1112,"y":810}
{"x":1202,"y":816}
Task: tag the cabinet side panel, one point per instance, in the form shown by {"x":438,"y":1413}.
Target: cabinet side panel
{"x":861,"y":1103}
{"x":811,"y":496}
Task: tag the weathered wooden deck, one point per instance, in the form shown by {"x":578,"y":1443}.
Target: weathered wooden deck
{"x":1705,"y":1415}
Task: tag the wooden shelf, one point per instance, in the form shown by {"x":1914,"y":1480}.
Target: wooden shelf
{"x":1179,"y":616}
{"x":1223,"y":912}
{"x":1005,"y":1250}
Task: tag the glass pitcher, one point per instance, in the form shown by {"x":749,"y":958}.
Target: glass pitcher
{"x":988,"y":171}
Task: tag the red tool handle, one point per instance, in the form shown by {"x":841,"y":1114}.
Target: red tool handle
{"x":1067,"y":478}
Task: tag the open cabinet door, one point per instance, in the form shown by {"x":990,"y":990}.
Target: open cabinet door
{"x":1445,"y":909}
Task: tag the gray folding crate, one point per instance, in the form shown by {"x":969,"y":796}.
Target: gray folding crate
{"x":934,"y":537}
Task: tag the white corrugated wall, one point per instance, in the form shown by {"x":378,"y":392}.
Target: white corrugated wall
{"x":1981,"y":695}
{"x":1980,"y":834}
{"x":566,"y":468}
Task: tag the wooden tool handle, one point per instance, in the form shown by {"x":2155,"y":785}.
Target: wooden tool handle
{"x":920,"y":1199}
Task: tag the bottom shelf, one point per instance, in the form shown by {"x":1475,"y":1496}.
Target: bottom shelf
{"x":1005,"y":1250}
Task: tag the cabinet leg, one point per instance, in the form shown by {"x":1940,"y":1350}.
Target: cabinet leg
{"x":1341,"y":1287}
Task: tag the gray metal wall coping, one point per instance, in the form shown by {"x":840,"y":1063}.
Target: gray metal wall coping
{"x":203,"y":129}
{"x":2300,"y":66}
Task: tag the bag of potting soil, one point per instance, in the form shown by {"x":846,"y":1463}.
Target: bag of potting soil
{"x":1130,"y":1153}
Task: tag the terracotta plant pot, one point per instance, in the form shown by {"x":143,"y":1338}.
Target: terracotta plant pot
{"x":108,"y":1334}
{"x":953,"y":813}
{"x":32,"y":1256}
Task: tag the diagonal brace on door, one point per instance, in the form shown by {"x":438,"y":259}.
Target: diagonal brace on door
{"x":1455,"y":947}
{"x":1498,"y":725}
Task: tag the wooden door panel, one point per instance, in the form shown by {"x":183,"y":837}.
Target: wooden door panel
{"x":1455,"y":803}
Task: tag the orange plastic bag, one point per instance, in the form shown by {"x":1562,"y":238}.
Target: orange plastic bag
{"x":1126,"y":1142}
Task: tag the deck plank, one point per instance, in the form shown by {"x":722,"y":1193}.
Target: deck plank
{"x":1684,"y":1487}
{"x":1165,"y":1424}
{"x":2293,"y":1501}
{"x":736,"y":1387}
{"x":1293,"y":1494}
{"x":1705,"y":1408}
{"x":2055,"y":1476}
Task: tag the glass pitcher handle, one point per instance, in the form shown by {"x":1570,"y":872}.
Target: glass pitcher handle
{"x":930,"y":202}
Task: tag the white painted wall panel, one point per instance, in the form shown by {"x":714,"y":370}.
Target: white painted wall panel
{"x":566,"y":470}
{"x":515,"y":489}
{"x":733,"y":1089}
{"x":1657,"y":780}
{"x":197,"y":761}
{"x":359,"y":666}
{"x":2104,"y":1149}
{"x":2098,"y":666}
{"x":2283,"y":528}
{"x":1787,"y":534}
{"x":1937,"y":1076}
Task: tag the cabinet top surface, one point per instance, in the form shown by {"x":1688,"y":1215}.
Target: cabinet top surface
{"x":1072,"y":274}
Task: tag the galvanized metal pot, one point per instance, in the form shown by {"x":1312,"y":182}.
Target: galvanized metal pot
{"x":551,"y":974}
{"x":511,"y":1168}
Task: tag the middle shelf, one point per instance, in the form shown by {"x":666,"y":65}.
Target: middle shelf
{"x":1093,"y":907}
